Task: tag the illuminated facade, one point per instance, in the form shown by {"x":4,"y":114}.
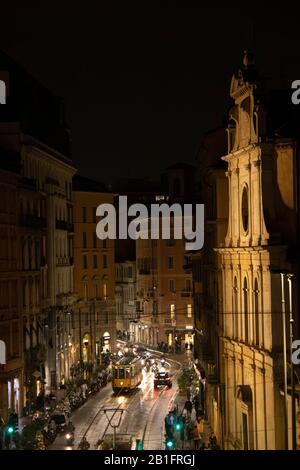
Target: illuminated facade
{"x":94,"y":277}
{"x":164,"y":288}
{"x":262,"y":228}
{"x":11,"y":373}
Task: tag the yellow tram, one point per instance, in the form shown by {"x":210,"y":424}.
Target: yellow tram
{"x":127,"y":373}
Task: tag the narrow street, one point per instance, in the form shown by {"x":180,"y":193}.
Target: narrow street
{"x":142,"y":418}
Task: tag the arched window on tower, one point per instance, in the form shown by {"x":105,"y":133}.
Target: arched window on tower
{"x":246,"y":312}
{"x":256,"y":314}
{"x":235,"y":319}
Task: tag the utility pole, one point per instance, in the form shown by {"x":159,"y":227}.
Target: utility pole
{"x":286,"y":438}
{"x":294,"y":434}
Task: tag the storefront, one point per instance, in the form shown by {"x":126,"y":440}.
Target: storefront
{"x":106,"y":346}
{"x":10,"y":395}
{"x":86,"y":347}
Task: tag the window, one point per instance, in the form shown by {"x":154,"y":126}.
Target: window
{"x":24,"y":293}
{"x":105,"y":291}
{"x":94,"y":240}
{"x":189,"y":310}
{"x":171,"y":285}
{"x":172,"y":311}
{"x":104,"y":244}
{"x":95,"y":261}
{"x":84,"y":214}
{"x":188,"y":285}
{"x":106,"y":318}
{"x":85,"y":291}
{"x":245,"y":431}
{"x":84,"y":261}
{"x":104,"y":261}
{"x":246,"y":328}
{"x":84,"y":240}
{"x":235,"y":319}
{"x":256,"y":314}
{"x":170,"y":262}
{"x":96,"y":291}
{"x":245,"y":209}
{"x":94,"y":215}
{"x":129,"y":271}
{"x":97,"y":318}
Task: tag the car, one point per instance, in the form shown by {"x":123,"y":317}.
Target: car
{"x":162,"y":378}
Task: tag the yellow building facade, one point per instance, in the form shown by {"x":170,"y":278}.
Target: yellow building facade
{"x":94,"y":275}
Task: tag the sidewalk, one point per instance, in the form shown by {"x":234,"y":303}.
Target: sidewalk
{"x":180,"y":401}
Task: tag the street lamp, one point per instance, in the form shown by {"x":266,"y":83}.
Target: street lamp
{"x":291,"y":321}
{"x":286,"y":437}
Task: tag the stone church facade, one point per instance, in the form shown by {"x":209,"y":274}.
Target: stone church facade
{"x":262,"y":230}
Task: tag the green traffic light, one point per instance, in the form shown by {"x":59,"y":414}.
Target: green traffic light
{"x":139,"y":445}
{"x":170,"y":444}
{"x":10,"y":430}
{"x":178,"y":427}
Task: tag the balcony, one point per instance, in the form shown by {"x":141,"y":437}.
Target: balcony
{"x":64,"y":225}
{"x":144,"y":271}
{"x":64,"y":261}
{"x":170,"y":321}
{"x":186,"y":293}
{"x":34,"y":221}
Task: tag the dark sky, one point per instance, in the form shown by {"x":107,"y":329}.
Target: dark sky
{"x":141,"y":86}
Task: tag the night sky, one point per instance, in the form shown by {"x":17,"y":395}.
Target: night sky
{"x":142,"y":86}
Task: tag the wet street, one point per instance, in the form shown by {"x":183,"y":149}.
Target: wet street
{"x":139,"y":414}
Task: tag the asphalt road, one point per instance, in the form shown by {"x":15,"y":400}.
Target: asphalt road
{"x":139,"y":414}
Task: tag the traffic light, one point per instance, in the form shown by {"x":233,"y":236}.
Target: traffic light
{"x":169,"y":443}
{"x":178,"y":426}
{"x":139,"y":444}
{"x":10,"y":430}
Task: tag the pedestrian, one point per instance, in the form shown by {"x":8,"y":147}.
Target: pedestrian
{"x":84,"y":444}
{"x":84,"y":388}
{"x":198,"y":433}
{"x":169,"y":421}
{"x":188,"y":407}
{"x":196,"y":402}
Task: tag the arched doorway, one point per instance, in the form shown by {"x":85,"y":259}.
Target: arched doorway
{"x":106,"y":342}
{"x":86,"y":347}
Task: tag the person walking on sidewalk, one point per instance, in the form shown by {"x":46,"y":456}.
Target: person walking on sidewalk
{"x":198,"y":433}
{"x":197,"y":402}
{"x":189,"y":408}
